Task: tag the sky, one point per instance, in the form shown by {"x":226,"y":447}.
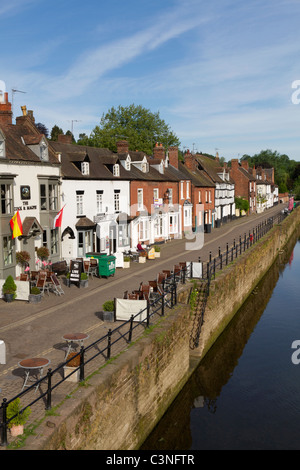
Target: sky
{"x":223,"y":74}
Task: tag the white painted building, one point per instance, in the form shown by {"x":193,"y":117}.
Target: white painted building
{"x":30,"y":184}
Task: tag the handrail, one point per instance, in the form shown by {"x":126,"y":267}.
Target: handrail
{"x":169,"y":287}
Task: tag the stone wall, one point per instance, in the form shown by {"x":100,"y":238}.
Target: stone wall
{"x":231,"y":288}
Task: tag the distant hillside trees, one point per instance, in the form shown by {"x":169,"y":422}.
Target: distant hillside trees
{"x":286,"y":170}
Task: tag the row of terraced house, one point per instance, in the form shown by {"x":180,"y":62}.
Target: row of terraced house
{"x":111,"y":200}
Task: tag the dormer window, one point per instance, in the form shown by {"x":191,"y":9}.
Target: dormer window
{"x":128,"y":163}
{"x":43,"y":151}
{"x":85,"y":168}
{"x":116,"y":170}
{"x":145,"y":167}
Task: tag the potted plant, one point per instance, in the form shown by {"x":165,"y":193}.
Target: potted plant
{"x":70,"y":372}
{"x":143,"y":257}
{"x":84,"y":280}
{"x":35,"y":295}
{"x":108,"y":313}
{"x":126,"y":262}
{"x":17,"y":418}
{"x":9,"y":289}
{"x":23,"y":258}
{"x":157,"y":251}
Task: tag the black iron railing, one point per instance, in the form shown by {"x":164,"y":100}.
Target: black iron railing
{"x":156,"y":306}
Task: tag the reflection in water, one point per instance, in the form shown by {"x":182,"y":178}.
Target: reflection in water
{"x":244,"y":395}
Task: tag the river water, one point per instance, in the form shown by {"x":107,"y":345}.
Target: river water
{"x":245,"y":394}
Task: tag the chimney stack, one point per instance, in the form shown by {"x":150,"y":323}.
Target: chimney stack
{"x":245,"y":164}
{"x":5,"y":111}
{"x":159,"y":151}
{"x":190,"y":161}
{"x":234,"y":163}
{"x":64,"y":139}
{"x":173,"y":156}
{"x":122,"y":146}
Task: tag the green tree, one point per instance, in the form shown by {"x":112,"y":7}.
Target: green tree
{"x":136,"y":124}
{"x":55,"y":132}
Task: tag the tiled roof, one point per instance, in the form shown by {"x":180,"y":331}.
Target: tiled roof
{"x":17,"y":141}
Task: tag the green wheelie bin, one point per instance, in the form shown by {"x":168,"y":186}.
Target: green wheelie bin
{"x":106,"y":263}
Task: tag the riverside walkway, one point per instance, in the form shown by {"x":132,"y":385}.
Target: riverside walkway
{"x":36,"y":330}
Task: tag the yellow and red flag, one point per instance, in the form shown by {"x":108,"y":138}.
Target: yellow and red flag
{"x":16,"y":225}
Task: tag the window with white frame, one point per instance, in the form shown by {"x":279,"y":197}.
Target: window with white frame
{"x":6,"y":198}
{"x":144,"y":230}
{"x":53,"y":197}
{"x":2,"y":147}
{"x":199,"y":200}
{"x":170,"y":196}
{"x":158,"y":226}
{"x":116,"y":170}
{"x":44,"y":151}
{"x":85,"y":168}
{"x":117,"y":200}
{"x":79,"y":202}
{"x":99,"y":201}
{"x":128,"y":163}
{"x":181,"y":190}
{"x":155,"y":194}
{"x":7,"y":250}
{"x":187,"y":189}
{"x":140,"y":199}
{"x":54,"y":241}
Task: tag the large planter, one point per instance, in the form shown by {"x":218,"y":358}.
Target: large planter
{"x":34,"y":298}
{"x":84,"y":283}
{"x":8,"y":297}
{"x":68,"y":376}
{"x":157,"y":254}
{"x":142,"y":259}
{"x":107,"y":316}
{"x":126,"y":264}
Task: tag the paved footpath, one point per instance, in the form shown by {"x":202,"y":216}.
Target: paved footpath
{"x":36,"y":330}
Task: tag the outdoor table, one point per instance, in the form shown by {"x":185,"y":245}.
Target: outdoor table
{"x":74,"y":338}
{"x":35,"y":364}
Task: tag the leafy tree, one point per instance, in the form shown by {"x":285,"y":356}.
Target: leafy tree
{"x":241,"y":204}
{"x":42,"y":129}
{"x":55,"y":132}
{"x":136,"y":124}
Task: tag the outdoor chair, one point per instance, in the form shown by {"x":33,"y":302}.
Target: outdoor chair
{"x":56,"y":285}
{"x":125,"y":295}
{"x":41,"y":284}
{"x":33,"y":277}
{"x":86,"y":267}
{"x":93,"y":267}
{"x":24,"y":277}
{"x":133,"y":296}
{"x":177,"y":273}
{"x":145,"y":291}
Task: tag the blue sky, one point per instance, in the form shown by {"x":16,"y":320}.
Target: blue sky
{"x":220,"y":72}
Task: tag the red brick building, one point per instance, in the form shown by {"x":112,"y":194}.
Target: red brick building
{"x":245,"y":182}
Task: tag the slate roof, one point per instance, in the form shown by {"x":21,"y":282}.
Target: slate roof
{"x":17,"y":140}
{"x":101,"y":163}
{"x":212,"y":167}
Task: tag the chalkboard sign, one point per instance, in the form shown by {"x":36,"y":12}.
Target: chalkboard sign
{"x":75,"y":271}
